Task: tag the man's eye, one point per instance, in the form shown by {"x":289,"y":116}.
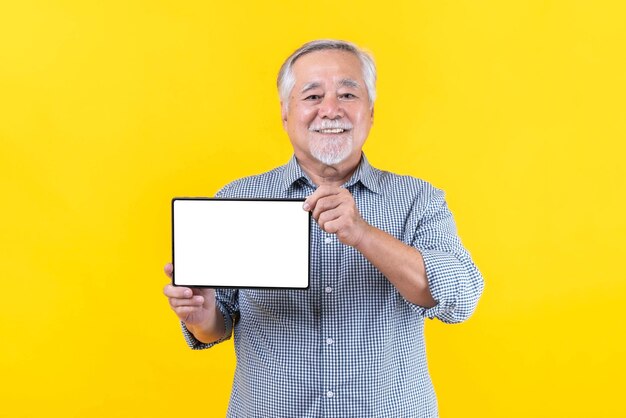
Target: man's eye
{"x":313,"y":97}
{"x":348,"y":96}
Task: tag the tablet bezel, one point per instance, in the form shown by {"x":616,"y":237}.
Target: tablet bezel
{"x":226,"y":286}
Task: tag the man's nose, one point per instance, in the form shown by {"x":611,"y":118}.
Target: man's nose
{"x":330,"y":107}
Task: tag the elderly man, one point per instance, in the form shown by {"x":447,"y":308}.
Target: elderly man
{"x":384,"y":256}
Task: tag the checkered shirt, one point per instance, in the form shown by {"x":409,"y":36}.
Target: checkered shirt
{"x":350,"y":345}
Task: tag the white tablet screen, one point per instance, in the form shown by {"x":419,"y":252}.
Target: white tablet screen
{"x":240,"y":243}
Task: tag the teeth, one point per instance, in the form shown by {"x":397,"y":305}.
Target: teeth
{"x":331,"y":131}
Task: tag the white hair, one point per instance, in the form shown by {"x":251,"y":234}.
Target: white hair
{"x":286,"y":79}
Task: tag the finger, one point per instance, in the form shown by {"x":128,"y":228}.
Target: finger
{"x":328,"y":216}
{"x":183,"y":312}
{"x":194,"y":301}
{"x":343,"y":197}
{"x":177,"y":292}
{"x":169,"y":269}
{"x":320,"y":192}
{"x":347,"y":231}
{"x":326,"y":204}
{"x":332,"y":226}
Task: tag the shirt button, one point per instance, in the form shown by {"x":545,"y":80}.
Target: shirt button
{"x":328,"y":240}
{"x":328,"y":289}
{"x":329,"y":341}
{"x":330,"y":394}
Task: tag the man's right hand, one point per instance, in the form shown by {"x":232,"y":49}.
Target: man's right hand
{"x":197,"y":308}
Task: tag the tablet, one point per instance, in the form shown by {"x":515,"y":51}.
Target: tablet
{"x":240,"y":243}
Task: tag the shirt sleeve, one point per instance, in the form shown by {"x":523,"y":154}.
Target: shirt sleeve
{"x":453,"y":278}
{"x":227,"y":302}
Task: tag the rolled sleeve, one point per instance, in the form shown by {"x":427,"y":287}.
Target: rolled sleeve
{"x":456,"y":285}
{"x":453,"y":279}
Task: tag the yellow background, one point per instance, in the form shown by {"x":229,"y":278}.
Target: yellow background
{"x":110,"y":108}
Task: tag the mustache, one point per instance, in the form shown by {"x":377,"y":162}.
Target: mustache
{"x":331,"y":124}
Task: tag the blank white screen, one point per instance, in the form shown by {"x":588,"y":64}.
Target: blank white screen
{"x":240,"y":243}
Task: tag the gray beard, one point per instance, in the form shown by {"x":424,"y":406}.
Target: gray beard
{"x":331,"y":151}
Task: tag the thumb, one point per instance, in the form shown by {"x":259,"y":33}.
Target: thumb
{"x":169,"y":269}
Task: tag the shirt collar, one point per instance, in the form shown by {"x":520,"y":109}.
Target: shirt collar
{"x":293,"y":173}
{"x":365,"y":174}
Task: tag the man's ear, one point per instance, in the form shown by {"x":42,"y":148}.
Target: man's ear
{"x":372,"y":115}
{"x":283,"y":114}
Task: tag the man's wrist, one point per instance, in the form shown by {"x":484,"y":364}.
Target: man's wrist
{"x":367,"y":233}
{"x":211,"y":330}
{"x":204,"y":335}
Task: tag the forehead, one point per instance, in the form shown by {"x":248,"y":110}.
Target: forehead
{"x":327,"y":66}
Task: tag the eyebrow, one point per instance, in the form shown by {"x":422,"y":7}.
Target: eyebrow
{"x":346,"y":82}
{"x":310,"y":86}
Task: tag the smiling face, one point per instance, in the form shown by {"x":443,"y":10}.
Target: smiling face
{"x":328,"y":116}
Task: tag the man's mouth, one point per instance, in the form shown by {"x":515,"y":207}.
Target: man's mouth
{"x":330,"y":131}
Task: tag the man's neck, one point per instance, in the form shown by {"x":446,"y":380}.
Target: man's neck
{"x":333,"y":175}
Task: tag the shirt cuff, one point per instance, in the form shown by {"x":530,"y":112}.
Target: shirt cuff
{"x":446,"y":280}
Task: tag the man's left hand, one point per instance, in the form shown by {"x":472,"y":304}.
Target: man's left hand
{"x":335,"y":211}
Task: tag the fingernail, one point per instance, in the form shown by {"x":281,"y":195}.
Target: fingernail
{"x":306,"y":206}
{"x":187,"y":293}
